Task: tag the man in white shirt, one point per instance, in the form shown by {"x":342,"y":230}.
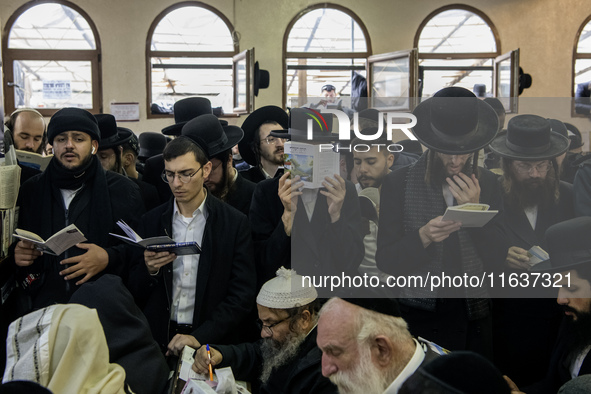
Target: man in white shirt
{"x":369,"y":351}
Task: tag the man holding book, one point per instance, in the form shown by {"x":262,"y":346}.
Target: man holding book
{"x":198,"y":298}
{"x":74,"y":189}
{"x":413,"y":240}
{"x":534,"y":198}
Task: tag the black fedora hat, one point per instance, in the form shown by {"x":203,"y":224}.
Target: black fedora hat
{"x":207,"y":132}
{"x":454,"y":121}
{"x":251,"y":124}
{"x":261,"y":79}
{"x":530,"y":137}
{"x":186,"y":109}
{"x":151,"y":144}
{"x":111,"y":134}
{"x":574,"y":135}
{"x":568,"y":245}
{"x":297,"y":129}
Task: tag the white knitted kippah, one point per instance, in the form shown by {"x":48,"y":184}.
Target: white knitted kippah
{"x":286,"y":291}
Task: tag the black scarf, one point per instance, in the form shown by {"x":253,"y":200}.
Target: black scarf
{"x":91,"y":177}
{"x":423,"y":202}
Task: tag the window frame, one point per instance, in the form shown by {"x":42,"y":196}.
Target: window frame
{"x":9,"y":55}
{"x":459,"y":56}
{"x":577,"y":56}
{"x":318,"y":55}
{"x":178,"y":54}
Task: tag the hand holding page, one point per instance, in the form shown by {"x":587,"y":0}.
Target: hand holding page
{"x":470,"y":214}
{"x":157,"y":244}
{"x":57,"y":244}
{"x":537,"y":255}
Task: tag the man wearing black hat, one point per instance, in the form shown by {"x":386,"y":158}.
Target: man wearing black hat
{"x":199,"y":298}
{"x":413,"y":240}
{"x":569,"y":267}
{"x":367,"y":347}
{"x":534,"y":199}
{"x":77,"y":190}
{"x":318,"y":228}
{"x":259,"y":149}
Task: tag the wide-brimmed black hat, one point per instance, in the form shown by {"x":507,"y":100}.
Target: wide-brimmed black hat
{"x":151,"y":144}
{"x":111,"y":134}
{"x":574,"y":135}
{"x":297,"y":129}
{"x":186,"y":109}
{"x":455,"y":122}
{"x":261,"y":79}
{"x":568,"y":245}
{"x":269,"y":113}
{"x":207,"y":132}
{"x":529,"y":138}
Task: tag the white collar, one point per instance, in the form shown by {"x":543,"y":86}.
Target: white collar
{"x":409,"y":369}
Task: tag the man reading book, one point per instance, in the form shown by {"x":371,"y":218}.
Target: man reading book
{"x":413,"y":240}
{"x":199,"y":298}
{"x":73,"y":189}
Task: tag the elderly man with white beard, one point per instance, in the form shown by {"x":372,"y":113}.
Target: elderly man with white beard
{"x":286,"y":359}
{"x":369,"y":351}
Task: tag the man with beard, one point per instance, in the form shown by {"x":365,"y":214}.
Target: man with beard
{"x":534,"y":199}
{"x":369,"y":351}
{"x":286,"y":359}
{"x":570,"y":267}
{"x":413,"y":240}
{"x":77,"y":191}
{"x":259,"y":149}
{"x":27,"y":127}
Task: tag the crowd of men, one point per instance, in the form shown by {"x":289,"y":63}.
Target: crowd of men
{"x":380,"y":216}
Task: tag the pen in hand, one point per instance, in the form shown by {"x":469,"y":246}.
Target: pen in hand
{"x":209,"y":356}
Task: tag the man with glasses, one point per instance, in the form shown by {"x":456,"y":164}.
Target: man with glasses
{"x":199,"y":298}
{"x":286,"y":359}
{"x":534,"y":199}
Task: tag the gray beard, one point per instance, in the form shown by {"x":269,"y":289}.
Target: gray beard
{"x":362,"y":378}
{"x":276,"y":355}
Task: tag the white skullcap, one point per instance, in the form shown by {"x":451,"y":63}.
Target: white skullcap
{"x":286,"y":291}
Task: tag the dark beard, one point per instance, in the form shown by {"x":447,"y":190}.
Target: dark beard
{"x":580,"y":329}
{"x":531,"y":192}
{"x":437,"y":173}
{"x":225,"y":187}
{"x":82,"y":164}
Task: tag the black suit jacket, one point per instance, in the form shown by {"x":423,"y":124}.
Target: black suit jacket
{"x":253,"y":174}
{"x":152,"y":174}
{"x":240,"y":195}
{"x":226,"y":279}
{"x":318,"y":246}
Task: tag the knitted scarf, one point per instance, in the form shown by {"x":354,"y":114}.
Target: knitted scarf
{"x":423,"y":202}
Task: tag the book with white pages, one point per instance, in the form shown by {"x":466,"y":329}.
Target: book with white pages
{"x":470,"y":214}
{"x":158,"y":244}
{"x":57,"y":244}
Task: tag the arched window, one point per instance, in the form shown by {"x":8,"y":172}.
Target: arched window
{"x":51,"y":53}
{"x":457,"y":47}
{"x":323,"y":45}
{"x":582,"y":68}
{"x":189,"y":53}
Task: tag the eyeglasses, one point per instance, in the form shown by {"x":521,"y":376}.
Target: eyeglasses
{"x":168,"y":176}
{"x":273,"y":141}
{"x":328,"y":88}
{"x":268,"y":329}
{"x":541,"y":168}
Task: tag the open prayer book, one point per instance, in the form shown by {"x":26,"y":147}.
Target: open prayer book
{"x":310,"y":163}
{"x":157,"y":244}
{"x":34,"y":160}
{"x":57,"y":244}
{"x":537,"y":255}
{"x":470,"y":214}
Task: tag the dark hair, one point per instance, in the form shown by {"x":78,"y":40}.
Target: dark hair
{"x":584,"y":272}
{"x":381,"y":140}
{"x":295,"y":313}
{"x":255,"y":145}
{"x":181,"y":146}
{"x":128,"y":148}
{"x":226,"y":182}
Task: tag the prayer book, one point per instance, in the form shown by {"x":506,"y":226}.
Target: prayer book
{"x":311,"y":162}
{"x":470,"y":214}
{"x":157,"y":244}
{"x":537,"y":255}
{"x":34,"y":160}
{"x":57,"y":244}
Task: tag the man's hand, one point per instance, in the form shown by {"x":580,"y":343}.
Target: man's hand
{"x":176,"y":345}
{"x":437,"y":230}
{"x":288,"y":191}
{"x":201,"y":363}
{"x":464,"y":188}
{"x":517,"y":258}
{"x":512,"y":386}
{"x":25,"y":253}
{"x":88,"y":264}
{"x":156,"y":260}
{"x":335,"y":194}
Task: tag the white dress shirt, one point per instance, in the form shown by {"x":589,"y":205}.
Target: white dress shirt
{"x":411,"y":367}
{"x":184,"y":268}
